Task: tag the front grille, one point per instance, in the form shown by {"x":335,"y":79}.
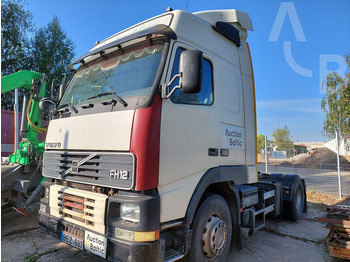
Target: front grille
{"x":83,"y":208}
{"x":113,"y":170}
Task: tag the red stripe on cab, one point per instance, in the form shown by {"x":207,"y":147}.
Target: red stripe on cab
{"x":144,"y":144}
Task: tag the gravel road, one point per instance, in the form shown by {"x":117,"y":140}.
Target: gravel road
{"x":22,"y":240}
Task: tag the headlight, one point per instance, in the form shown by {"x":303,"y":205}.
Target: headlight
{"x":130,"y":212}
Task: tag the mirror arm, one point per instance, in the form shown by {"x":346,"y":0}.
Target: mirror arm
{"x":172,"y":91}
{"x":165,"y":87}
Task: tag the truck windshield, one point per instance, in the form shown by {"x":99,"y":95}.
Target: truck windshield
{"x":130,"y":72}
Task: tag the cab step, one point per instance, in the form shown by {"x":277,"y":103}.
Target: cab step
{"x":173,"y":255}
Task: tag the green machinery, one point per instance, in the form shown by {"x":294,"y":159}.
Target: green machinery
{"x":35,"y":85}
{"x":23,"y":174}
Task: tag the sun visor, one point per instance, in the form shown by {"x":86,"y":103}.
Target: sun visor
{"x":157,"y":29}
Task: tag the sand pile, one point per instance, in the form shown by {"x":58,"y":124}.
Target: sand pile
{"x":322,"y":158}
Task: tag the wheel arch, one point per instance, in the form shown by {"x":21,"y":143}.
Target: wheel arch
{"x":221,"y":181}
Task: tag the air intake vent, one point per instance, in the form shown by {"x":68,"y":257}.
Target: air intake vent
{"x":228,"y":31}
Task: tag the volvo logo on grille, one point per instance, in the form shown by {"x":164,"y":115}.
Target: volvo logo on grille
{"x":75,"y":166}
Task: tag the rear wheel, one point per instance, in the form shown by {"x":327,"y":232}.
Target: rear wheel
{"x":294,"y":210}
{"x":212,"y":231}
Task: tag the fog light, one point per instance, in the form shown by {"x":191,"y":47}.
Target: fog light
{"x":124,"y":234}
{"x":130,"y":212}
{"x":136,"y":236}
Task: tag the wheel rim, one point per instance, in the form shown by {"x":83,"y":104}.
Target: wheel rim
{"x":298,"y":198}
{"x":214,"y":237}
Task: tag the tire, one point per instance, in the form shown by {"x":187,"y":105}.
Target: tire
{"x":294,"y":210}
{"x":211,"y":232}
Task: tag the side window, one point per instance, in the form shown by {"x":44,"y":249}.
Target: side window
{"x":205,"y":96}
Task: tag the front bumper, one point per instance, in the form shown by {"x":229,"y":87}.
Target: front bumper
{"x":117,"y":250}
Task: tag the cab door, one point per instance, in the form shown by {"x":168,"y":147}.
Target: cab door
{"x":189,"y":135}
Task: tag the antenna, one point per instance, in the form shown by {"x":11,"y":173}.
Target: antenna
{"x":187,"y":5}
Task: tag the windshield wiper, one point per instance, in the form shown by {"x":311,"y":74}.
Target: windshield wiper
{"x":73,"y":108}
{"x":118,"y":98}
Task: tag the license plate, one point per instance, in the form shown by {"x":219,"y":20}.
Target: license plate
{"x":72,"y":240}
{"x":95,"y":243}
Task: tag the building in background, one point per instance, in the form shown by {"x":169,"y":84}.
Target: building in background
{"x":332,"y":145}
{"x":310,"y":145}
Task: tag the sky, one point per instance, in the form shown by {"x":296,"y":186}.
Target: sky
{"x":294,"y":45}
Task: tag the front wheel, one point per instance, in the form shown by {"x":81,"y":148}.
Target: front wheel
{"x":212,"y":231}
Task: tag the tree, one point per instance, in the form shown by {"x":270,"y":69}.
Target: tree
{"x":16,"y":24}
{"x":49,"y":51}
{"x":282,"y":139}
{"x":53,"y":50}
{"x":336,"y":105}
{"x":261,"y":143}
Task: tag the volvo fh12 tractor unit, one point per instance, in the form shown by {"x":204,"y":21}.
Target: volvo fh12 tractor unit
{"x":151,"y":152}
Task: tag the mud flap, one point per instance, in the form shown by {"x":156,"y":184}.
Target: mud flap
{"x":305,"y":197}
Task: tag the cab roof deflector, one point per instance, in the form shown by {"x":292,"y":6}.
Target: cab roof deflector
{"x":236,"y":18}
{"x":230,"y":16}
{"x":157,"y":29}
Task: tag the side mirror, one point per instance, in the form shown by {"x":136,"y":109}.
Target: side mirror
{"x":62,"y":89}
{"x":63,"y":86}
{"x":190,"y":74}
{"x":190,"y":69}
{"x":44,"y":103}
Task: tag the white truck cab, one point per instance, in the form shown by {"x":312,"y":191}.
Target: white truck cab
{"x":151,"y":152}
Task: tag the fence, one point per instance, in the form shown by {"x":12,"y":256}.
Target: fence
{"x":322,"y":168}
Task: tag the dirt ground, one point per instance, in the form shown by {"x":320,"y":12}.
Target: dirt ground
{"x":21,"y":240}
